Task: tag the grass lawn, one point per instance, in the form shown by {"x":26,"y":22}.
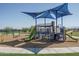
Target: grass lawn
{"x":59,"y":54}
{"x":75,"y":33}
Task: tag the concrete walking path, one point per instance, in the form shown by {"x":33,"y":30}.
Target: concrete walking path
{"x":59,"y":50}
{"x":40,"y":50}
{"x":14,"y":50}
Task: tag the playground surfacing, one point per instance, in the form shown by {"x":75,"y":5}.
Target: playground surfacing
{"x":38,"y":43}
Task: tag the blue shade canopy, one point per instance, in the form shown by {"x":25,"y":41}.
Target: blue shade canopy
{"x":61,"y":14}
{"x":58,"y":11}
{"x":63,"y":7}
{"x":32,"y":14}
{"x":61,"y":10}
{"x":45,"y":14}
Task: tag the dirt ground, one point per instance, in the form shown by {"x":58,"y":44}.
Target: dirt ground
{"x":10,"y":41}
{"x":7,"y":38}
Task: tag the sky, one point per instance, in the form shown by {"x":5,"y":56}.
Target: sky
{"x":11,"y":16}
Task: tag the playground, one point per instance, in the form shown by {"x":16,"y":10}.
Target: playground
{"x":45,"y":35}
{"x":19,"y":41}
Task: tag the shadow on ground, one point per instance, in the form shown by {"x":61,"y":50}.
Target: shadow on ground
{"x":11,"y":43}
{"x":34,"y":46}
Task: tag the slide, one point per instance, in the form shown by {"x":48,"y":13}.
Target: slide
{"x":72,"y":37}
{"x":32,"y":34}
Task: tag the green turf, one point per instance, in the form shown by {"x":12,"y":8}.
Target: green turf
{"x":59,"y":54}
{"x":74,"y":33}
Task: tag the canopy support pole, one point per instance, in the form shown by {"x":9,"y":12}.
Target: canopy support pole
{"x":45,"y":21}
{"x":56,"y":21}
{"x":62,"y":27}
{"x":62,"y":22}
{"x":35,"y":23}
{"x":45,"y":25}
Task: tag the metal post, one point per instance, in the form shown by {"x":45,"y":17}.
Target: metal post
{"x":63,"y":33}
{"x":56,"y":21}
{"x":45,"y":21}
{"x":61,"y":21}
{"x":35,"y":24}
{"x":45,"y":25}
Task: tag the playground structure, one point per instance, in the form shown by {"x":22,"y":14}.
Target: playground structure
{"x":45,"y":30}
{"x":50,"y":31}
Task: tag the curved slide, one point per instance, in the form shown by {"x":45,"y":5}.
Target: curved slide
{"x":32,"y":34}
{"x":72,"y":37}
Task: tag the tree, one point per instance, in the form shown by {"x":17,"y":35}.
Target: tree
{"x":8,"y":30}
{"x":24,"y":29}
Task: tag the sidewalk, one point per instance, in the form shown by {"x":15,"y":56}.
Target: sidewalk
{"x":60,"y":50}
{"x":39,"y":50}
{"x":14,"y":50}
